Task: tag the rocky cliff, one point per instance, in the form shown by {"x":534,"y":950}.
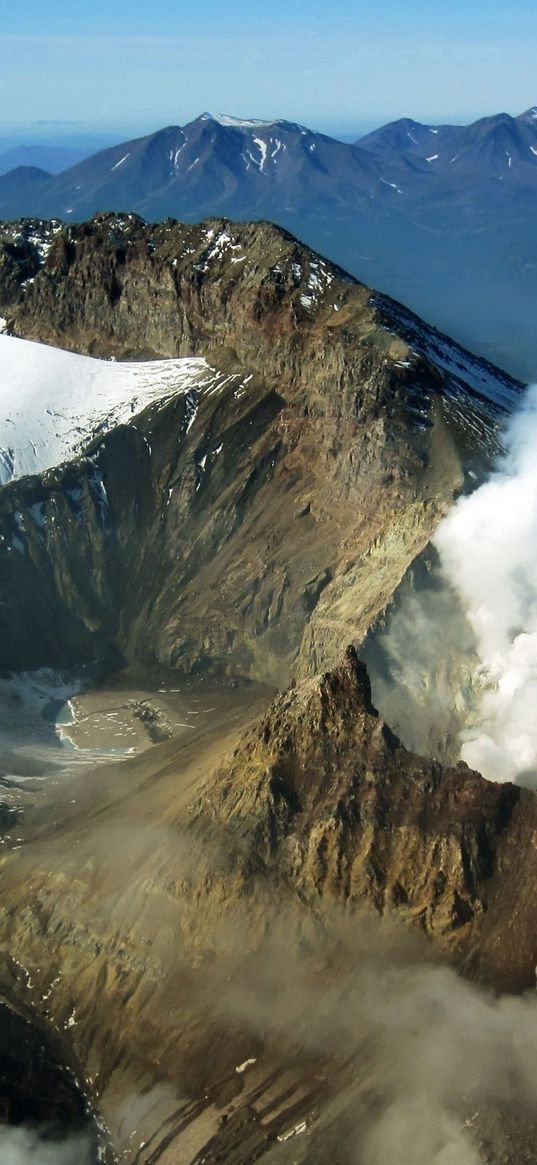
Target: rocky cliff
{"x":197,"y":919}
{"x":195,"y":922}
{"x":255,"y":530}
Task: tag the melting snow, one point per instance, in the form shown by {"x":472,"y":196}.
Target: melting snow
{"x":392,"y":184}
{"x":257,"y":164}
{"x":53,"y":402}
{"x":262,"y":146}
{"x":463,"y":370}
{"x":222,"y":242}
{"x":174,"y":156}
{"x":294,"y":1132}
{"x":191,"y":409}
{"x":121,"y":161}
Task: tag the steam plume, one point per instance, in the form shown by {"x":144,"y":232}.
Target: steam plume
{"x":488,"y":548}
{"x":18,"y":1146}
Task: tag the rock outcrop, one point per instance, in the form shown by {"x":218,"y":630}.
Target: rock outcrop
{"x":329,"y":798}
{"x":178,"y":915}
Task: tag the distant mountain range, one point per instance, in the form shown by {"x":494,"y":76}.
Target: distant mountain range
{"x":52,"y":159}
{"x":442,"y":217}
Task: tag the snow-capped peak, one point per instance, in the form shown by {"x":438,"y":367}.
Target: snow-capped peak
{"x":240,"y":123}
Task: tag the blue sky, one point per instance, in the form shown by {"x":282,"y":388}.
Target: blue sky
{"x":144,"y":64}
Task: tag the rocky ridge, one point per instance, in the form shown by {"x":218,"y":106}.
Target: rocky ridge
{"x":440,"y":217}
{"x":255,"y":530}
{"x":184,"y":883}
{"x":175,"y":914}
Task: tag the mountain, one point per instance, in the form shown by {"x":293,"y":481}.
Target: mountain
{"x":242,"y":933}
{"x":52,"y":159}
{"x":439,"y":217}
{"x":213,"y":468}
{"x":464,"y":167}
{"x":200,"y":924}
{"x":23,"y":182}
{"x":212,"y":165}
{"x":403,"y":136}
{"x":486,"y":148}
{"x":225,"y":165}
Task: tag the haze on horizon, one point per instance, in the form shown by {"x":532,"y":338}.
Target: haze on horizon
{"x":133,"y":67}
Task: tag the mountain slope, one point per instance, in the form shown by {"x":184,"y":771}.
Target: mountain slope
{"x":498,"y":147}
{"x":194,"y":919}
{"x":210,"y":165}
{"x":54,"y":404}
{"x":254,"y":527}
{"x":196,"y":922}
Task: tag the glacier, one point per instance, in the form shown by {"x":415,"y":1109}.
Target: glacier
{"x":54,"y":403}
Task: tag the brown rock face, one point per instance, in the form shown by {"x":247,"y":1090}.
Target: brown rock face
{"x":346,"y":813}
{"x":260,"y":539}
{"x":191,"y":918}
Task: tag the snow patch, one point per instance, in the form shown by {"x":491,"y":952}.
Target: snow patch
{"x":393,"y":185}
{"x":240,"y":123}
{"x":53,"y":402}
{"x":294,"y":1132}
{"x":262,"y":146}
{"x":463,"y":370}
{"x":174,"y":156}
{"x":121,"y":161}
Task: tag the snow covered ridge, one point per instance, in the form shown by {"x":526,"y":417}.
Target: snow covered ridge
{"x":462,"y":370}
{"x":242,"y":123}
{"x":53,"y":403}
